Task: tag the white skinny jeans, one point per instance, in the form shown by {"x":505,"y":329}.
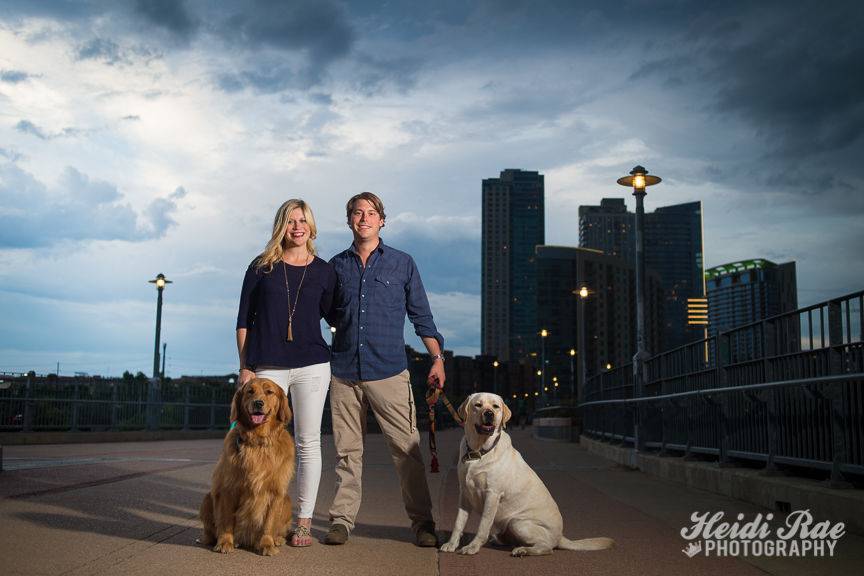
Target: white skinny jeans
{"x":308,"y":388}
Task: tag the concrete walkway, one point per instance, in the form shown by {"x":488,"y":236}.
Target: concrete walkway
{"x":131,"y":508}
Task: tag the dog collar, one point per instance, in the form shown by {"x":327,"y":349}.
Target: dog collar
{"x":477,"y":454}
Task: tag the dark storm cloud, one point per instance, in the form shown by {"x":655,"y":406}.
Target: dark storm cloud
{"x":804,"y":87}
{"x":319,"y":28}
{"x":795,"y":82}
{"x":171,"y":15}
{"x":58,"y":9}
{"x":373,"y":74}
{"x":99,"y":49}
{"x":79,"y":209}
{"x":267,"y":78}
{"x":321,"y":98}
{"x":111,"y":53}
{"x":293,"y":43}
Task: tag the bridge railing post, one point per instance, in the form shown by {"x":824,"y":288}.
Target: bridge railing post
{"x":836,"y":394}
{"x":770,"y":399}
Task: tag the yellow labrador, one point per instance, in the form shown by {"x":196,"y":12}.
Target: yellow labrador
{"x":517,"y":509}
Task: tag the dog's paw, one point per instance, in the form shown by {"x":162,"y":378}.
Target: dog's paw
{"x":449,"y":546}
{"x":519,"y":552}
{"x":471,"y":548}
{"x":224,"y":545}
{"x":269,"y":551}
{"x":280,"y":540}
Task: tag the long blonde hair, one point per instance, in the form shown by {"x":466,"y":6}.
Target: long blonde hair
{"x":276,"y":246}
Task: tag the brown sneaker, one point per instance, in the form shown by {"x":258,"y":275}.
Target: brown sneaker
{"x":425,"y":537}
{"x":338,"y":534}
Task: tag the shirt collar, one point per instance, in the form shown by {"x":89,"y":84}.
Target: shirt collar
{"x":380,"y":248}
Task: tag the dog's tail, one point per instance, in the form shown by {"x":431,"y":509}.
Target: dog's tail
{"x":586,"y":544}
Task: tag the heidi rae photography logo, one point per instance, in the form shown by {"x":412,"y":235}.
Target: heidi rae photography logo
{"x":800,"y":535}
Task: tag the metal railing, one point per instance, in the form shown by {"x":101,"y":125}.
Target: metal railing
{"x":785,"y":390}
{"x":31,"y":403}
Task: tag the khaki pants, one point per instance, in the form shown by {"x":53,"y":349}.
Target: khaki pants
{"x":392,"y":402}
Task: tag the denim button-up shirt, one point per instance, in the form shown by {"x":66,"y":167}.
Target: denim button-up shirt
{"x":369,"y":309}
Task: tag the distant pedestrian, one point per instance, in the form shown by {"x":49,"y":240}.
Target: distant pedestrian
{"x":286,"y":292}
{"x":377,"y":286}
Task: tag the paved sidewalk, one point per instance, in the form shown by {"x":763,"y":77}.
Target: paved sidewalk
{"x":131,"y":508}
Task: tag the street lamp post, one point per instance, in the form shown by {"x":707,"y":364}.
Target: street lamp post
{"x":572,"y":378}
{"x":160,"y":281}
{"x":639,"y":180}
{"x":543,"y":334}
{"x":152,"y":389}
{"x":495,"y":377}
{"x":583,"y":345}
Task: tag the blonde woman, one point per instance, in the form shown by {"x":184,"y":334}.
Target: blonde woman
{"x":286,"y":291}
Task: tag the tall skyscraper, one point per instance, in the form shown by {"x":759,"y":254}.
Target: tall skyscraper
{"x":608,"y":227}
{"x":513,"y":224}
{"x":673,"y":249}
{"x":748,"y":291}
{"x":609,"y":309}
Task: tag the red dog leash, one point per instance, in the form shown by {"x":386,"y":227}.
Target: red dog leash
{"x":432,"y":396}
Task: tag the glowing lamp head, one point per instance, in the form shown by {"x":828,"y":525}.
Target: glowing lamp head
{"x":639,"y":179}
{"x":572,"y":351}
{"x":160,"y":281}
{"x":583,"y":292}
{"x":544,"y":333}
{"x":539,"y":372}
{"x":495,"y":364}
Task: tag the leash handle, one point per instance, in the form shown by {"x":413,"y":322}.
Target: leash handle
{"x":432,"y":397}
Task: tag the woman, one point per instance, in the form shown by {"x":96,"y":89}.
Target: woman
{"x":286,"y":292}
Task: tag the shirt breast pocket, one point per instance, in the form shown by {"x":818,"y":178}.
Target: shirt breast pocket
{"x":389,"y":292}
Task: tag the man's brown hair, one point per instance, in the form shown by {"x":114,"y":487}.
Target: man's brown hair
{"x":369,"y":197}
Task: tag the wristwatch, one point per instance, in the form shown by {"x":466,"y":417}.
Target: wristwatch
{"x":437,"y":357}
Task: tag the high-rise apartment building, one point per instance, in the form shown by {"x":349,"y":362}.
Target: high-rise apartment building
{"x":513,"y":224}
{"x":748,"y":291}
{"x":609,"y":228}
{"x":673,"y":250}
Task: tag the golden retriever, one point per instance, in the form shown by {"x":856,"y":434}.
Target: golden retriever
{"x":516,"y":507}
{"x":248,"y":504}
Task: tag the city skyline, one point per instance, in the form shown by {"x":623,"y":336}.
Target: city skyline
{"x":143,"y":137}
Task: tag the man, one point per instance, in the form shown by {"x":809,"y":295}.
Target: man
{"x":377,"y":285}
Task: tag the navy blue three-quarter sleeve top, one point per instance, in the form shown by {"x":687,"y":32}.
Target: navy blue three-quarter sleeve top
{"x":264,"y":313}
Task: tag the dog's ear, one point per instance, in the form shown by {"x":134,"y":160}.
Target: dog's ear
{"x":284,"y":414}
{"x":463,"y":409}
{"x":507,"y":414}
{"x":237,"y":404}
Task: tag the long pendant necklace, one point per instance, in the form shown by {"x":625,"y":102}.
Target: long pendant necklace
{"x":291,"y":310}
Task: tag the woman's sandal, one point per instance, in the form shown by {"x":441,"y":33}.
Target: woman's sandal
{"x":301,"y":534}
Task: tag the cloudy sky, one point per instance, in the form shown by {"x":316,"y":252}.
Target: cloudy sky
{"x":139,"y":137}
